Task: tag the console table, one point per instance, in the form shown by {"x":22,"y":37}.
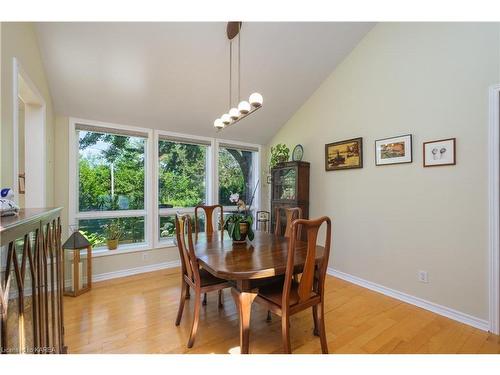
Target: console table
{"x":31,"y":282}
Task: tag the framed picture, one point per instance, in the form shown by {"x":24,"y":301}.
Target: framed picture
{"x":269,"y":179}
{"x":438,"y":153}
{"x":344,"y":155}
{"x":395,"y":150}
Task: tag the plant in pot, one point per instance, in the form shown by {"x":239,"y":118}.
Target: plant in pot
{"x":279,"y":154}
{"x":239,"y":224}
{"x":113,"y":234}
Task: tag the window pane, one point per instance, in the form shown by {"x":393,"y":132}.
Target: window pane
{"x":182,"y":174}
{"x":111,"y":172}
{"x":132,"y":230}
{"x":235,"y":175}
{"x":167,"y":226}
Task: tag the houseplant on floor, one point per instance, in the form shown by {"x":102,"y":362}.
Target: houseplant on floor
{"x":113,"y":234}
{"x":239,"y":224}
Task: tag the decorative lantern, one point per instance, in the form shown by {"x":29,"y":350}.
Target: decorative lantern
{"x":77,"y":265}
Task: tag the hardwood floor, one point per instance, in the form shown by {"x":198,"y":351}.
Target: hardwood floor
{"x":136,"y":314}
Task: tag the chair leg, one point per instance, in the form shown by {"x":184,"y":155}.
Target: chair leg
{"x":205,"y":299}
{"x":184,"y":290}
{"x":196,"y":318}
{"x":315,"y":320}
{"x":285,"y":333}
{"x":322,"y":330}
{"x":188,"y":295}
{"x":221,"y":299}
{"x":268,"y":319}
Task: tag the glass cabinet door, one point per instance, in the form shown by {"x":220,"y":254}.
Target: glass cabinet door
{"x":284,"y":183}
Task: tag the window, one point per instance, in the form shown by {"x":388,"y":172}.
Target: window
{"x":111,"y":176}
{"x":182,"y":179}
{"x":237,"y":174}
{"x":112,"y":180}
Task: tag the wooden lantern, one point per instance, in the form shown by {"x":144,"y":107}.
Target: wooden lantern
{"x":77,"y":269}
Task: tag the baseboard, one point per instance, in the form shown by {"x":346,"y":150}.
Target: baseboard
{"x":419,"y":302}
{"x":135,"y":270}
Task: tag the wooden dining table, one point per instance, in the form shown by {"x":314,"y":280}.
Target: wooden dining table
{"x":247,"y":265}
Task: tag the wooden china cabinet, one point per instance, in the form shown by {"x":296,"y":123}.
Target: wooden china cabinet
{"x":290,"y":188}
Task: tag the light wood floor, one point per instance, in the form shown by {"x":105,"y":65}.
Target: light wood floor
{"x":136,"y":315}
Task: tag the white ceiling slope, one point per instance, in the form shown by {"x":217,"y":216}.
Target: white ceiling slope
{"x":174,"y":76}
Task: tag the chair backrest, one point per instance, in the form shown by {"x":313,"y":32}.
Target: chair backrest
{"x":262,"y":220}
{"x":184,"y":234}
{"x":291,"y":215}
{"x":209,"y":212}
{"x":307,"y":283}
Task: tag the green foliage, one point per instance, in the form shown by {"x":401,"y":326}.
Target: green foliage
{"x":95,"y":239}
{"x":279,"y":154}
{"x":234,"y":174}
{"x":232,"y":225}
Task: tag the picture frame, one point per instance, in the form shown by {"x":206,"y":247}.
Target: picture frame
{"x":394,"y":150}
{"x":21,"y":187}
{"x":439,"y":153}
{"x":342,"y":155}
{"x":269,"y":179}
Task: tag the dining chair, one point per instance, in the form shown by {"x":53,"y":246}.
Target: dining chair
{"x":291,"y":214}
{"x":193,"y":275}
{"x":290,"y":297}
{"x":209,"y":230}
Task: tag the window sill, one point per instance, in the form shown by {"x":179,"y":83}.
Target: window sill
{"x":127,"y":249}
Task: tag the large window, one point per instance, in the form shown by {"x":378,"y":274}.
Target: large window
{"x":140,"y":178}
{"x":111,"y":183}
{"x":237,"y":174}
{"x":182,"y":180}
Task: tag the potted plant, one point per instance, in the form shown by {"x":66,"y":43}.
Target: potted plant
{"x":239,"y":224}
{"x":113,"y":234}
{"x":279,"y":154}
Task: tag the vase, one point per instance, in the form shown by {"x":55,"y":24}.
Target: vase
{"x":243,"y":233}
{"x":112,"y":244}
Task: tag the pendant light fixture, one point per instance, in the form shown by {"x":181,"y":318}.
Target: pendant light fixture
{"x":243,"y":108}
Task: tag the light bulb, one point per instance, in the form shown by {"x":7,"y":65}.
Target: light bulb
{"x":226,"y":119}
{"x":234,"y":113}
{"x":218,"y":124}
{"x":256,"y":99}
{"x":244,"y":107}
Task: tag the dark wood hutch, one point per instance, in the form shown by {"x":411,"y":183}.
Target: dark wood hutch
{"x":290,"y":188}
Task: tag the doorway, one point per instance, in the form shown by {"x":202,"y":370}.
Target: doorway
{"x":29,"y":141}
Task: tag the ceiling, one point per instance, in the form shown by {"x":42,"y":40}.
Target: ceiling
{"x":174,"y":76}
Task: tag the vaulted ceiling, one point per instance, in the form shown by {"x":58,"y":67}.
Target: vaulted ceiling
{"x":174,"y":76}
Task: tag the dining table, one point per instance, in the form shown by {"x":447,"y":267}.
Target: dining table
{"x":248,"y":265}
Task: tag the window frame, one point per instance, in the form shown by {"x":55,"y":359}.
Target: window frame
{"x":151,"y":211}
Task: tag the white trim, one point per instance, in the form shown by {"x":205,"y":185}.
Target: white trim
{"x":135,"y":271}
{"x":493,"y":208}
{"x":17,"y":70}
{"x":419,"y":302}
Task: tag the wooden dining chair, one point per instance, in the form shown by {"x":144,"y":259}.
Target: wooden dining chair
{"x":290,"y":214}
{"x":193,"y":276}
{"x":288,"y":298}
{"x":209,"y":230}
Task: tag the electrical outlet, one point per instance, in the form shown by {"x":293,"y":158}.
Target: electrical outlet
{"x":422,"y":276}
{"x":145,"y":256}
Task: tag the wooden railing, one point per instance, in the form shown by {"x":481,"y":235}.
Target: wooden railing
{"x":31,"y":282}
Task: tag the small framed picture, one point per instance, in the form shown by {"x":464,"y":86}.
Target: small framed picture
{"x":344,"y":155}
{"x":269,"y":179}
{"x":395,"y":150}
{"x":438,"y":153}
{"x":22,"y":183}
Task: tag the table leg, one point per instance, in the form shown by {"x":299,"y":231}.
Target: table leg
{"x":243,"y":300}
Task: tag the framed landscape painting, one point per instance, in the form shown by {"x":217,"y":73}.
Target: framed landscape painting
{"x":441,"y":152}
{"x":344,"y":155}
{"x":395,"y":150}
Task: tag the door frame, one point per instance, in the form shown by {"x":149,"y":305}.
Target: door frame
{"x":18,"y":71}
{"x":494,"y":207}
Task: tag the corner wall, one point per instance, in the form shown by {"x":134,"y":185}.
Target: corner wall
{"x":430,"y":80}
{"x":18,"y":39}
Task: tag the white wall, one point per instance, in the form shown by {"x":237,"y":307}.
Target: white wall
{"x":430,"y":80}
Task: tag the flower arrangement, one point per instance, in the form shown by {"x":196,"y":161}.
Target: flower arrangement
{"x":239,"y":224}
